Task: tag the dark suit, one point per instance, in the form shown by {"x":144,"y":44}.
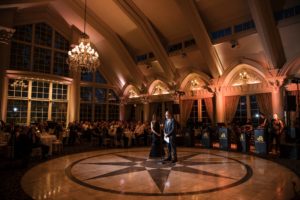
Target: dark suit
{"x":169,"y":130}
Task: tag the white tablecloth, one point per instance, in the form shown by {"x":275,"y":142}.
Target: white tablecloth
{"x":48,"y":140}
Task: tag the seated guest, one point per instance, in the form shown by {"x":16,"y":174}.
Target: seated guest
{"x":237,"y":131}
{"x":139,"y":131}
{"x":73,"y":133}
{"x":34,"y":136}
{"x":119,"y":134}
{"x":128,"y":133}
{"x":23,"y":147}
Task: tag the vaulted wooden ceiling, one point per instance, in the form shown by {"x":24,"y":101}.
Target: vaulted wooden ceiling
{"x":125,"y":30}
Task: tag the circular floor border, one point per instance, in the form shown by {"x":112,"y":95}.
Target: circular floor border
{"x":248,"y":175}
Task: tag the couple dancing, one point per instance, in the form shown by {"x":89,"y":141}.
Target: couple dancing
{"x":157,"y":150}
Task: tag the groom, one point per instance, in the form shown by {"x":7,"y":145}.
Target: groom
{"x":169,"y":131}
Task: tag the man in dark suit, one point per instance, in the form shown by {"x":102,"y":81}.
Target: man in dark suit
{"x":170,"y":137}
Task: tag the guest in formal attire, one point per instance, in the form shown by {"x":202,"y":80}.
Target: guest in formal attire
{"x":248,"y":128}
{"x":170,"y":133}
{"x":139,"y":132}
{"x":276,"y":132}
{"x":157,"y":150}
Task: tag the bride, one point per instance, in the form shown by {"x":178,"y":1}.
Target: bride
{"x":157,"y":150}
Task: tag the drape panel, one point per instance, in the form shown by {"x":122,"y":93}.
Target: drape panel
{"x":209,"y":108}
{"x":264,"y":102}
{"x":185,"y":111}
{"x":231,"y":103}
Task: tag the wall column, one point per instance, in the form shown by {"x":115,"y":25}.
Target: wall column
{"x":220,"y":110}
{"x":248,"y":104}
{"x":122,"y":109}
{"x":146,"y":111}
{"x":3,"y":95}
{"x":277,"y":95}
{"x":74,"y":98}
{"x":277,"y":102}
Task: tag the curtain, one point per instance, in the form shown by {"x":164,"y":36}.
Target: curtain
{"x":186,"y":107}
{"x":209,"y":108}
{"x":231,"y":103}
{"x":264,"y":102}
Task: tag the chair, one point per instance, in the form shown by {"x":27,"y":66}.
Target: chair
{"x":36,"y":152}
{"x":57,"y":147}
{"x":108,"y":142}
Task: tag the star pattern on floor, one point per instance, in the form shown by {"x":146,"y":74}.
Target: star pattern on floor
{"x":158,"y":171}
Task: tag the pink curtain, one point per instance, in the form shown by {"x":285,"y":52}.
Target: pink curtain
{"x":264,"y":102}
{"x":210,"y":108}
{"x":185,"y":111}
{"x":231,"y":103}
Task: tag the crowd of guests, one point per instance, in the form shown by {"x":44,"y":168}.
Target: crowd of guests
{"x":126,"y":134}
{"x":119,"y":133}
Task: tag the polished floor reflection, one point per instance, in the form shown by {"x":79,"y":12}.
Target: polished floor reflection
{"x":129,"y":174}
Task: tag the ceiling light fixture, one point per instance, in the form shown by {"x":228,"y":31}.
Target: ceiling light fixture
{"x":83,"y":57}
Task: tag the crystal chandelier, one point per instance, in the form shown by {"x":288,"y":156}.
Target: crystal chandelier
{"x":19,"y":83}
{"x":244,"y":76}
{"x":83,"y":57}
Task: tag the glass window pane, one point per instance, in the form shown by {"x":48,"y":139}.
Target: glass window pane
{"x":40,"y":89}
{"x":99,"y":78}
{"x":42,"y":60}
{"x":61,"y":42}
{"x":17,"y":111}
{"x":23,"y":33}
{"x":43,"y":34}
{"x":20,"y":56}
{"x":59,"y":111}
{"x":60,"y":66}
{"x":100,"y":95}
{"x":86,"y":93}
{"x":85,"y":112}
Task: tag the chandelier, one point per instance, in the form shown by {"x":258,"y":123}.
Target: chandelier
{"x":83,"y":57}
{"x":244,"y":76}
{"x":19,"y":83}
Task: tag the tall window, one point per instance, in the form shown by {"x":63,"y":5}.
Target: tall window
{"x":194,"y":112}
{"x":85,"y":112}
{"x":20,"y":56}
{"x":40,"y":89}
{"x":39,"y":111}
{"x":59,"y":111}
{"x":17,"y":91}
{"x":205,"y":118}
{"x":17,"y":111}
{"x":99,"y":78}
{"x":254,"y":110}
{"x":87,"y":76}
{"x":241,"y":111}
{"x":39,"y":98}
{"x":59,"y":91}
{"x":113,"y":112}
{"x":49,"y":49}
{"x":100,"y":112}
{"x":86,"y":93}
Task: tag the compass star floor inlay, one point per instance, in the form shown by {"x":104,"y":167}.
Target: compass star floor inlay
{"x":199,"y":173}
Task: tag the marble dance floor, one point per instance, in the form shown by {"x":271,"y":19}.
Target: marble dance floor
{"x":129,"y":174}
